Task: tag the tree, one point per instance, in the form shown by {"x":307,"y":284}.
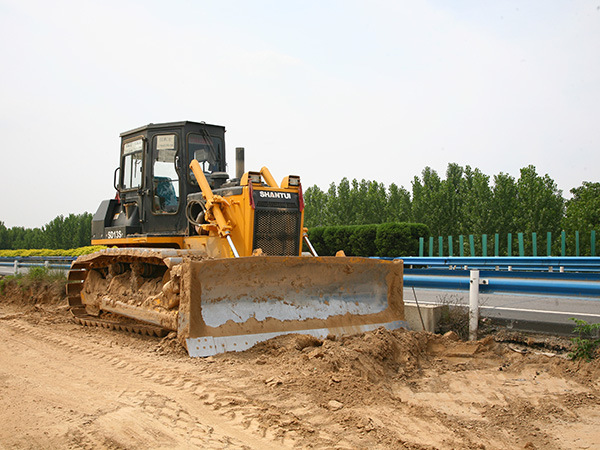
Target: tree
{"x":540,"y":204}
{"x":70,"y":232}
{"x":504,"y":204}
{"x":4,"y":242}
{"x":398,"y":207}
{"x":371,"y":202}
{"x":582,"y":214}
{"x":427,"y":201}
{"x":504,"y":209}
{"x":476,"y":204}
{"x":53,"y":231}
{"x":452,"y":191}
{"x":315,"y":203}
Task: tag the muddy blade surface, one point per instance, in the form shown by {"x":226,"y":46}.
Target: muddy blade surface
{"x":231,"y":304}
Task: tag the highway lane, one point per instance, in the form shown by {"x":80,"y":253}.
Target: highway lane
{"x":525,"y":312}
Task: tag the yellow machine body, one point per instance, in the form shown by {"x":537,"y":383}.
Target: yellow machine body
{"x":235,"y":276}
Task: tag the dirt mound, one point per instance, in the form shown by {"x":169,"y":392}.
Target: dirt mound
{"x":25,"y":291}
{"x":354,"y":370}
{"x":382,"y":389}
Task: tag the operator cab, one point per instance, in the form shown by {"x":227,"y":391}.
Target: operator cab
{"x":153,"y":179}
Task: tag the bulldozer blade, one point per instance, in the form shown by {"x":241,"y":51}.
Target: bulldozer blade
{"x":232,"y":304}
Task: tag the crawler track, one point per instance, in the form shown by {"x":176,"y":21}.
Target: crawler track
{"x":81,"y":268}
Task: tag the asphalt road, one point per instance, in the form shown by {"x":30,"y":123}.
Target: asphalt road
{"x":524,"y":312}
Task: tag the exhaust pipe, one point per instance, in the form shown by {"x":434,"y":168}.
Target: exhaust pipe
{"x":239,"y":162}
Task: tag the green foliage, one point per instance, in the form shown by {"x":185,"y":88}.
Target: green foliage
{"x":62,"y":232}
{"x":399,"y":239}
{"x":362,"y":240}
{"x":3,"y":282}
{"x":390,"y":239}
{"x":34,"y":276}
{"x":51,"y":252}
{"x":336,"y":237}
{"x":466,"y":202}
{"x":583,"y":215}
{"x":428,"y":203}
{"x":540,"y":203}
{"x":585,"y":344}
{"x":355,"y":203}
{"x":316,"y":239}
{"x":37,"y":273}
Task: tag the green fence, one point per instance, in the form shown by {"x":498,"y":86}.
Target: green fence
{"x":578,"y":244}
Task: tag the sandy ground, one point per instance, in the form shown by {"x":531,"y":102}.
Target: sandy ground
{"x":67,"y":386}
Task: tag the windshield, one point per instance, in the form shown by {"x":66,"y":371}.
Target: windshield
{"x":207,"y":150}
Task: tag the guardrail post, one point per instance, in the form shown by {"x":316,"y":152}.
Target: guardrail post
{"x":521,"y":245}
{"x":473,"y":305}
{"x":496,"y":245}
{"x":16,"y":267}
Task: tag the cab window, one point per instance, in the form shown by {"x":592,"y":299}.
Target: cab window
{"x":132,"y":164}
{"x":207,"y":151}
{"x":165,"y":180}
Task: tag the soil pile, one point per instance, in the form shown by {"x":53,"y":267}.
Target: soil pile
{"x":25,"y":291}
{"x":383,"y":389}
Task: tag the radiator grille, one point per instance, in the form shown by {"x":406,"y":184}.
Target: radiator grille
{"x":277,"y":231}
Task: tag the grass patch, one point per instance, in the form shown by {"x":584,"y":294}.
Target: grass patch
{"x":35,"y":276}
{"x":587,"y":341}
{"x":455,"y":317}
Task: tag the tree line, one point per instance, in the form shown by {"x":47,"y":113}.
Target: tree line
{"x":466,"y":201}
{"x":72,"y":231}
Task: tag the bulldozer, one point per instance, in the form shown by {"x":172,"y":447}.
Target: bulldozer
{"x":218,"y":260}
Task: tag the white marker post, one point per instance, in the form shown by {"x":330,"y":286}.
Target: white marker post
{"x":474,"y":305}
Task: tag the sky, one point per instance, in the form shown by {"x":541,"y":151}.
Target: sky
{"x":324,"y":89}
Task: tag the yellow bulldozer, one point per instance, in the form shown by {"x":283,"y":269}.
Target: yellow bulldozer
{"x":219,"y":261}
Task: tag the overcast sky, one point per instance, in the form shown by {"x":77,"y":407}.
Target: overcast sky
{"x":374,"y":89}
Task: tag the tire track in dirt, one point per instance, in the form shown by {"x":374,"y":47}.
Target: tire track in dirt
{"x":379,"y":390}
{"x":227,"y":420}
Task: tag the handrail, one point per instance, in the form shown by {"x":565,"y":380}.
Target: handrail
{"x":49,"y":262}
{"x":549,"y":263}
{"x":508,"y":285}
{"x":37,"y":258}
{"x":557,"y":276}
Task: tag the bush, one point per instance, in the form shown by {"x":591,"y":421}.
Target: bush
{"x":316,"y":239}
{"x":585,"y":344}
{"x":336,"y":238}
{"x":399,"y":239}
{"x":50,"y":252}
{"x":37,"y":273}
{"x":391,"y":239}
{"x":362,"y":240}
